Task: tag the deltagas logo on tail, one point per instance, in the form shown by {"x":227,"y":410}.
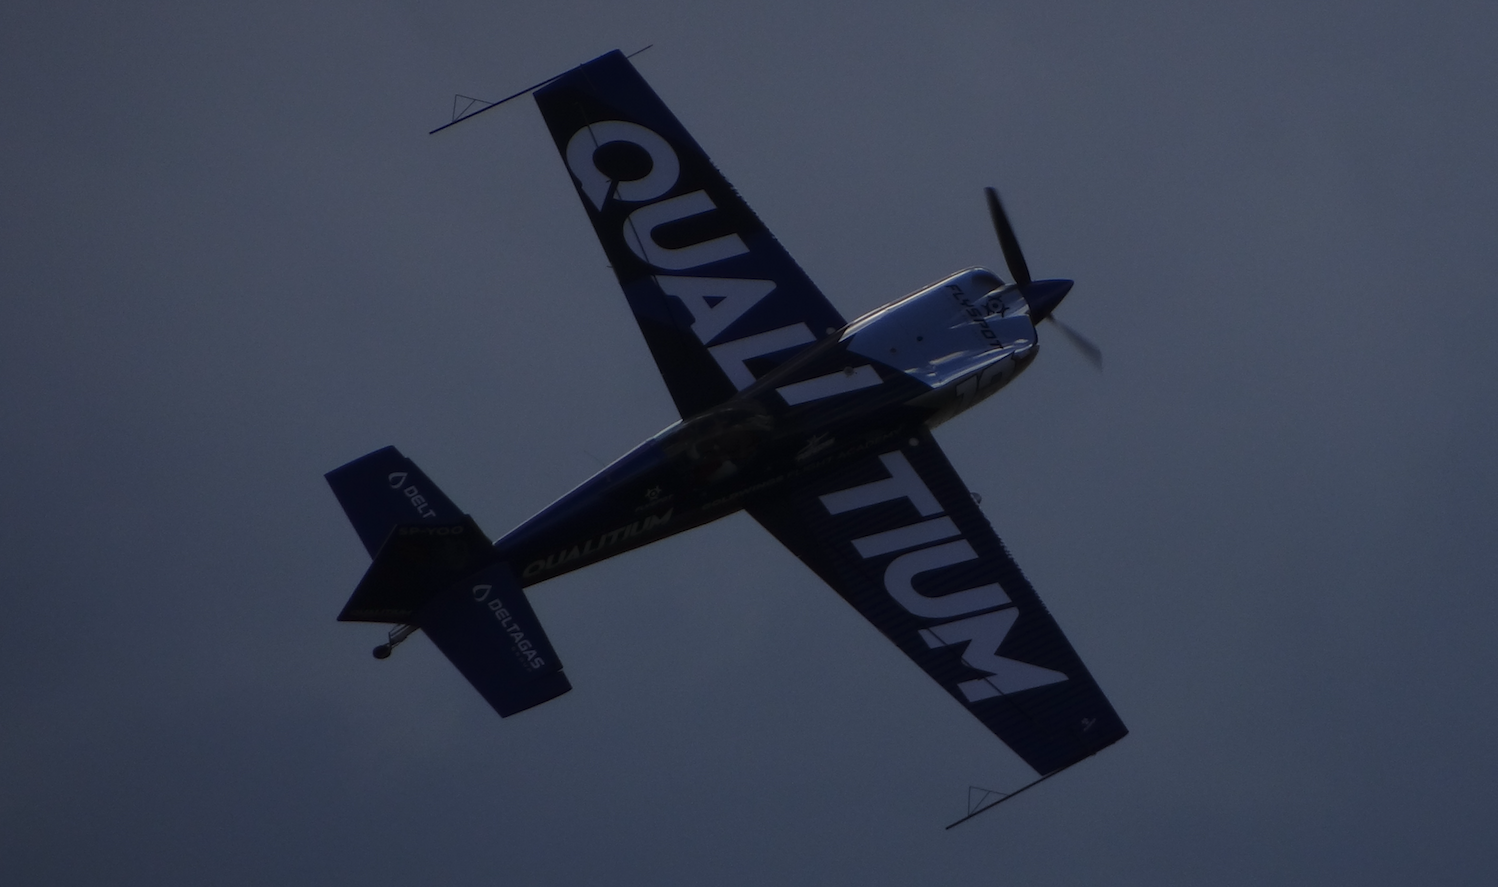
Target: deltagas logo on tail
{"x":521,"y":646}
{"x":397,"y":480}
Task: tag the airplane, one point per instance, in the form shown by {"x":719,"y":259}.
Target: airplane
{"x":818,"y":427}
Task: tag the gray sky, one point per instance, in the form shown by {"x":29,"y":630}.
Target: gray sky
{"x":232,"y":259}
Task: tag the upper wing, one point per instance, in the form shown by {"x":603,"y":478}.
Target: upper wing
{"x":898,"y":535}
{"x":718,"y":299}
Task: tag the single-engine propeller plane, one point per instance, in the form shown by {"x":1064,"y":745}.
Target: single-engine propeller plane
{"x":818,"y":427}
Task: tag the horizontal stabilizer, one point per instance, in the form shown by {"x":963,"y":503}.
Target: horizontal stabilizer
{"x":385,"y":488}
{"x":434,"y":569}
{"x":486,"y":627}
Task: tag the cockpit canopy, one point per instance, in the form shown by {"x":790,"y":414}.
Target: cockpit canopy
{"x":947,"y":330}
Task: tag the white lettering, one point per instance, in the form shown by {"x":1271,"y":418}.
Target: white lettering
{"x":584,"y":144}
{"x":983,"y":636}
{"x":639,"y":234}
{"x":982,"y":633}
{"x":592,"y":546}
{"x":731,"y":355}
{"x":909,"y":536}
{"x":902,"y":482}
{"x":850,"y":379}
{"x":715,"y":302}
{"x":900,"y":574}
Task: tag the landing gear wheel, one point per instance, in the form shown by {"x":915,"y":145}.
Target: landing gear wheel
{"x":398,"y":634}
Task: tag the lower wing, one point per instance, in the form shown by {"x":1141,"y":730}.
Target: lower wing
{"x":898,"y":535}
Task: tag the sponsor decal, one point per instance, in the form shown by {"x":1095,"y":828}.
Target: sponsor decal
{"x":582,"y":149}
{"x":601,"y":542}
{"x":714,"y":302}
{"x":397,"y":479}
{"x":977,"y":618}
{"x":521,"y":646}
{"x":979,"y":315}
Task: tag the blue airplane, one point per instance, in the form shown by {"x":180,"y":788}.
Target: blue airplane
{"x":818,"y":427}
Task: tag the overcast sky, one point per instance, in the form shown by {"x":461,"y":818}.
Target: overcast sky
{"x":232,"y":259}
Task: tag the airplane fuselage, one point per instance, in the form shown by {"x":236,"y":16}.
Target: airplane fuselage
{"x":939,"y":351}
{"x":816,"y":427}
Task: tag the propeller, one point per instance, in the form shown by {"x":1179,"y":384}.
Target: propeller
{"x":1042,"y":295}
{"x":1013,"y":257}
{"x":1093,"y":353}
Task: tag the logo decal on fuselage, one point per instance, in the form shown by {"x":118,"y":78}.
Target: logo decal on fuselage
{"x":979,"y":315}
{"x":978,"y":617}
{"x":597,"y":544}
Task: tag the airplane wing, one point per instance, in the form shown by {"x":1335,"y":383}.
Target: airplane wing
{"x":898,"y":535}
{"x":719,"y":301}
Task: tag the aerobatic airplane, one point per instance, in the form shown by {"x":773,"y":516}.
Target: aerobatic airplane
{"x":818,"y":427}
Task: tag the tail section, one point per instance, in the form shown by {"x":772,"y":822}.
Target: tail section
{"x":415,"y":562}
{"x":434,"y":569}
{"x":383,"y":489}
{"x":485,"y":626}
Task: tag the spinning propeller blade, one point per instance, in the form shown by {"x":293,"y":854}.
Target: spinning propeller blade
{"x":1007,"y":241}
{"x":1093,"y":353}
{"x":1044,"y":296}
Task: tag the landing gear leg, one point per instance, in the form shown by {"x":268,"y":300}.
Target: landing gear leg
{"x":397,"y":635}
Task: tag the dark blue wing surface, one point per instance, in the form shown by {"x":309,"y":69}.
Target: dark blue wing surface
{"x":898,"y":535}
{"x":716,"y":296}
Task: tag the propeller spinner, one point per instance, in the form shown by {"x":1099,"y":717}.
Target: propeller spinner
{"x":1041,"y":295}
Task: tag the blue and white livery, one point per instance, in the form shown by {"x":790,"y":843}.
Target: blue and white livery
{"x":818,"y":427}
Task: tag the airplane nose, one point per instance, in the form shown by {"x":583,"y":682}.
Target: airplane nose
{"x":1043,"y":296}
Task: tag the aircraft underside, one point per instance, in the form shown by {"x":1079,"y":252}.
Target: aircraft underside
{"x":819,"y":428}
